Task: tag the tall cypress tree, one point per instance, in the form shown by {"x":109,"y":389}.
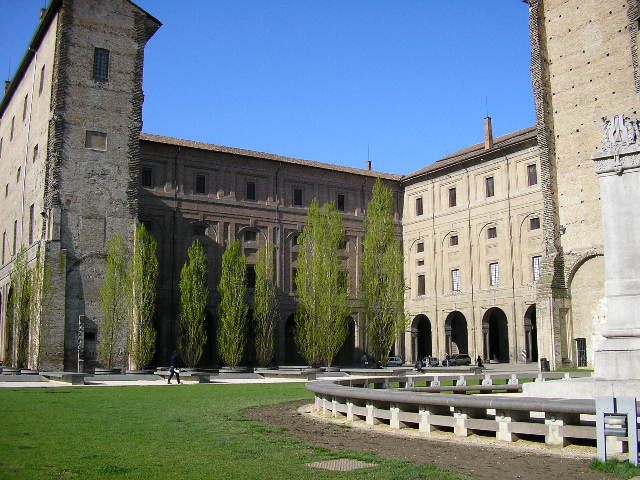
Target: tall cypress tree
{"x":322,"y":317}
{"x":382,"y":275}
{"x":233,"y":305}
{"x":265,"y":312}
{"x":194,"y":294}
{"x":144,"y":278}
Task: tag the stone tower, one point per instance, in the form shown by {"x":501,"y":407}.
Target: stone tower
{"x":584,"y":68}
{"x":84,"y":71}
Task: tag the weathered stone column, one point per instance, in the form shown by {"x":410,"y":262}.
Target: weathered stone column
{"x":618,"y":168}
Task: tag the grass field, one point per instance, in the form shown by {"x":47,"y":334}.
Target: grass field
{"x":181,"y":432}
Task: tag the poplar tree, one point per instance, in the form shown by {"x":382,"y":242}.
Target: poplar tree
{"x":114,"y":296}
{"x":144,"y":279}
{"x":233,"y":308}
{"x":382,"y":275}
{"x":265,"y":311}
{"x":322,"y":317}
{"x":194,"y":295}
{"x":19,"y":311}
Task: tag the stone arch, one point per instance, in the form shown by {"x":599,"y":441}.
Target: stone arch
{"x":531,"y":333}
{"x":421,"y":336}
{"x":291,"y":354}
{"x":495,"y":332}
{"x":456,"y":335}
{"x":586,"y":317}
{"x":346,"y":355}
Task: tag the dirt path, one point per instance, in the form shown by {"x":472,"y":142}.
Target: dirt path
{"x":485,"y":463}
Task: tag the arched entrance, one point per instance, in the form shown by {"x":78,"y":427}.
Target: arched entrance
{"x":210,"y":354}
{"x":291,"y":355}
{"x":421,"y":336}
{"x":495,"y":332}
{"x":455,"y":331}
{"x":531,"y":333}
{"x":345,"y":356}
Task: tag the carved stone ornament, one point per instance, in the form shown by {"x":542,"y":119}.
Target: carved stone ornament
{"x":620,"y":145}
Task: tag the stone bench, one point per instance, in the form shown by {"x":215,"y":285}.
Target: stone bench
{"x":67,"y":377}
{"x":188,"y":375}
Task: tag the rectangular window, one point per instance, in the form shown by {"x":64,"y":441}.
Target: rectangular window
{"x":452,"y":197}
{"x":100,"y":64}
{"x":489,"y":186}
{"x":341,"y":202}
{"x":146,"y":177}
{"x":420,"y":263}
{"x":201,"y":184}
{"x":15,"y":237}
{"x":494,"y":275}
{"x":297,"y":197}
{"x":420,"y":247}
{"x":6,"y":190}
{"x":532,"y":175}
{"x":418,"y":206}
{"x":251,"y":276}
{"x":24,"y":107}
{"x":35,"y":154}
{"x":421,"y":285}
{"x":1,"y":147}
{"x":251,"y":191}
{"x":41,"y":87}
{"x":18,"y":173}
{"x":534,"y":223}
{"x":4,"y":246}
{"x":95,"y":140}
{"x":536,"y":264}
{"x":492,"y":232}
{"x":13,"y":122}
{"x":31,"y":223}
{"x":453,"y":240}
{"x":250,"y":236}
{"x":455,"y":280}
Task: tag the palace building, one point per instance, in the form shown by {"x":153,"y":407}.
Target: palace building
{"x":502,"y":240}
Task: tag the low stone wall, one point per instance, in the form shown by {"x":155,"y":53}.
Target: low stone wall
{"x":557,"y":422}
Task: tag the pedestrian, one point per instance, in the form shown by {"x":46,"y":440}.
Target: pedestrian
{"x":419,"y":366}
{"x":479,"y":362}
{"x":173,"y":368}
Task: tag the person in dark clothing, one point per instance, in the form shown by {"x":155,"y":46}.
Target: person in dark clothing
{"x":173,"y":368}
{"x":479,"y":362}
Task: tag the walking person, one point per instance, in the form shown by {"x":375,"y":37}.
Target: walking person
{"x":173,"y":368}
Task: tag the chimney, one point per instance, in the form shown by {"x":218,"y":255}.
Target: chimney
{"x":7,"y":84}
{"x":488,"y":133}
{"x":369,"y":165}
{"x":42,"y":12}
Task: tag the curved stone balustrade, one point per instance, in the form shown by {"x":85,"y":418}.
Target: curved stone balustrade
{"x":556,"y":421}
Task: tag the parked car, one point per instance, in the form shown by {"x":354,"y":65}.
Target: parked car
{"x":457,"y":359}
{"x":394,"y":362}
{"x":429,"y":361}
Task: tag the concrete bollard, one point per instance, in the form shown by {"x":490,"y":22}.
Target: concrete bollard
{"x":461,"y":381}
{"x":504,"y":420}
{"x":513,"y":379}
{"x":555,"y":428}
{"x":349,"y":411}
{"x":371,"y":419}
{"x":487,"y":380}
{"x":395,"y":417}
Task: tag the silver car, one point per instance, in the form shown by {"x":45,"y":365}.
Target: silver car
{"x":394,"y":362}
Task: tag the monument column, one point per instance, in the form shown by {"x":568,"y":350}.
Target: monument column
{"x":618,"y":168}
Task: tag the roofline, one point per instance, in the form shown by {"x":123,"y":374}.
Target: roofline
{"x":43,"y":26}
{"x":476,"y":152}
{"x":178,"y":142}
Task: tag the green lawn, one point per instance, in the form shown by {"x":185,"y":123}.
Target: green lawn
{"x":181,"y":432}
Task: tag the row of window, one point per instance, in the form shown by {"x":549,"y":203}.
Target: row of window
{"x":494,"y":276}
{"x":492,"y":232}
{"x":13,"y":250}
{"x":201,"y":188}
{"x":532,"y":179}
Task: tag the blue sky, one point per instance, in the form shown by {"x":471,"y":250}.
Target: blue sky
{"x":327,"y":80}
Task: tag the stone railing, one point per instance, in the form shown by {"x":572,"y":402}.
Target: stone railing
{"x":556,"y":421}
